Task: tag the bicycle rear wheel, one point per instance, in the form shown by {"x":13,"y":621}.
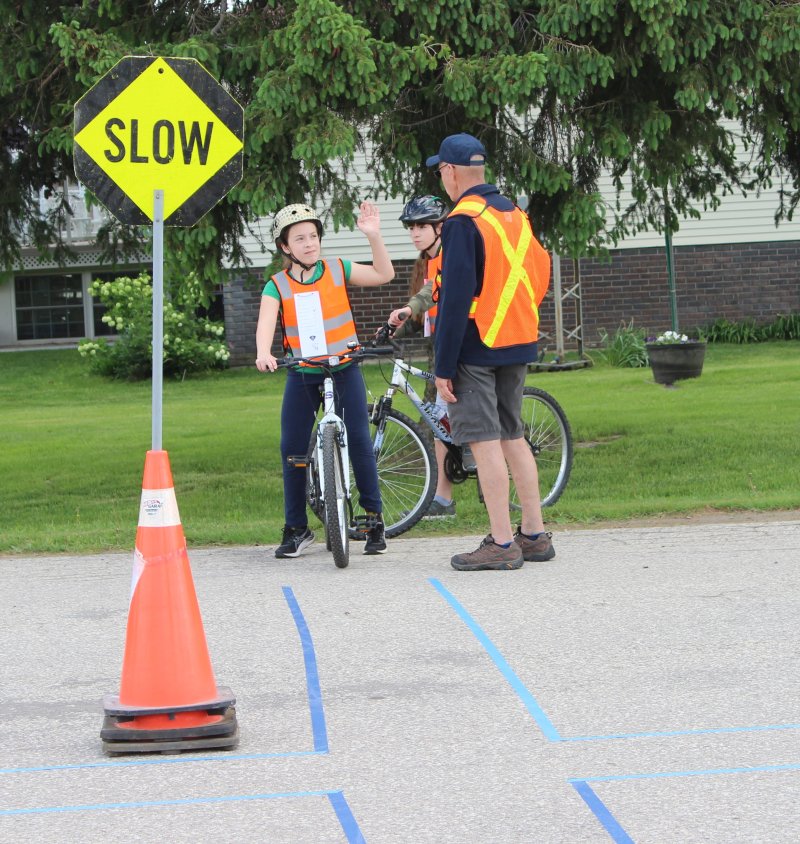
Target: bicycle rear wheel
{"x":406,"y":470}
{"x":337,"y":529}
{"x":550,"y":438}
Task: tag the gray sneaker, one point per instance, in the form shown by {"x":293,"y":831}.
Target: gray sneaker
{"x":489,"y":556}
{"x":535,"y":550}
{"x":468,"y":459}
{"x":440,"y":511}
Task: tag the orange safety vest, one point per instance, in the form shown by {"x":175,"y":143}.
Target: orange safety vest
{"x":434,"y":275}
{"x":516,"y":275}
{"x":337,"y":315}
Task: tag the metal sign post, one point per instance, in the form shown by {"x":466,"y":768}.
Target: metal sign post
{"x":158,"y":315}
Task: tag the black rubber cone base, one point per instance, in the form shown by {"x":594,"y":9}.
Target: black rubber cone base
{"x":119,"y":739}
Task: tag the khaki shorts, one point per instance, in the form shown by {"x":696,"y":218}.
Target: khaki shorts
{"x":489,"y":405}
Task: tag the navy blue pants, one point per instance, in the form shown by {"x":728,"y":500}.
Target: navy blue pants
{"x":301,"y":401}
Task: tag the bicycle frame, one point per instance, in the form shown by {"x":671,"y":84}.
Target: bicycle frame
{"x":399,"y":382}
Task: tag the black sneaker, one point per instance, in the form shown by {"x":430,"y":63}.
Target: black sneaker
{"x":295,"y":539}
{"x":376,"y":536}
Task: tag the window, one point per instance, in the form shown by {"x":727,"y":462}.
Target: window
{"x":49,"y":306}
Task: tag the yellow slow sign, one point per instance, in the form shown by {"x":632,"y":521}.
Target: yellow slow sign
{"x":158,"y":133}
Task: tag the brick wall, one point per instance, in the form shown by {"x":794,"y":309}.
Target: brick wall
{"x":735,"y":281}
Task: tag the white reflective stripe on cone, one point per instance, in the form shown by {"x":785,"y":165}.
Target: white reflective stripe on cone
{"x":159,"y":508}
{"x":138,"y":568}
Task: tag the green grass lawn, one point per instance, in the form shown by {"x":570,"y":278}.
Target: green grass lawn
{"x":74,"y":446}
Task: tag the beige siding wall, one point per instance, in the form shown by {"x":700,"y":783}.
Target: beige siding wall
{"x":738,"y":220}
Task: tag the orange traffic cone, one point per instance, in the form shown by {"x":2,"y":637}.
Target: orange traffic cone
{"x":168,"y":698}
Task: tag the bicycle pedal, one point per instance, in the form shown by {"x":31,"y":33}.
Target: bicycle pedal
{"x":364,"y":523}
{"x":300,"y":461}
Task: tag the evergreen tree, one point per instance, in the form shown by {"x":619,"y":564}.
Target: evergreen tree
{"x":558,"y":92}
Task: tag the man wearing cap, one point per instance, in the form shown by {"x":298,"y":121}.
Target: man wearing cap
{"x":494,"y":275}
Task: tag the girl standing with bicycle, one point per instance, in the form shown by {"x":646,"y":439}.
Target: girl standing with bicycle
{"x":310,"y":297}
{"x":424,"y":216}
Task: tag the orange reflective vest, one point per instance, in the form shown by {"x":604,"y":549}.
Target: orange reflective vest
{"x":337,"y":315}
{"x":434,"y":275}
{"x":516,"y":275}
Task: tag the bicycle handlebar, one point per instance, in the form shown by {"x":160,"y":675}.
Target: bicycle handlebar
{"x":327,"y":362}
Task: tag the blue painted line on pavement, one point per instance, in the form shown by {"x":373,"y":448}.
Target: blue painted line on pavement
{"x":505,"y":669}
{"x":346,"y":819}
{"x":147,"y":804}
{"x":171,"y":760}
{"x":670,"y":733}
{"x":754,"y":769}
{"x":318,"y":727}
{"x":600,"y":811}
{"x":544,"y":722}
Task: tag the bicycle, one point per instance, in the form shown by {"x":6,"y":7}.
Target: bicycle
{"x":327,"y":462}
{"x":407,"y":470}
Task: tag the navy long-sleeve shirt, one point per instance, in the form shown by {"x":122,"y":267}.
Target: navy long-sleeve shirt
{"x":456,"y":339}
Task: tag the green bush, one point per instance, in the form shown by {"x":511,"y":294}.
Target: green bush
{"x":784,"y":327}
{"x":625,"y":348}
{"x":724,"y":331}
{"x":192,"y":343}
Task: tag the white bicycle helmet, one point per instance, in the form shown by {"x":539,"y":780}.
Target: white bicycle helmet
{"x":291,"y":214}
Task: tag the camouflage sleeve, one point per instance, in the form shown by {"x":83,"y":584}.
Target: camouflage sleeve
{"x":422,"y":301}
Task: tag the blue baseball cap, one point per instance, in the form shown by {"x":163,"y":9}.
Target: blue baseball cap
{"x":462,"y":149}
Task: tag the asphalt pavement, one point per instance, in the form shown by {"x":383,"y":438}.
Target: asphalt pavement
{"x":642,"y":686}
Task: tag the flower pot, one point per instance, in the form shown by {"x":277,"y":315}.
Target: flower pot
{"x":671,"y":362}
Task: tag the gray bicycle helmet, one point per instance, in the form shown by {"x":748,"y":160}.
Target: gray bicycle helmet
{"x":424,"y":209}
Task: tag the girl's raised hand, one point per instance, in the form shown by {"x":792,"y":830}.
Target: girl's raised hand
{"x":369,"y":219}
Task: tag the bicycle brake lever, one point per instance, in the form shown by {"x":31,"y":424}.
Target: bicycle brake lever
{"x":382,"y":335}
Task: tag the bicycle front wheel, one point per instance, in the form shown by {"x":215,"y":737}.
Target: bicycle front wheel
{"x":550,"y":438}
{"x":406,"y":470}
{"x":337,"y":530}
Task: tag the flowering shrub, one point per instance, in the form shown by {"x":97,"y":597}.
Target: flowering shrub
{"x":192,"y":343}
{"x":669,"y":338}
